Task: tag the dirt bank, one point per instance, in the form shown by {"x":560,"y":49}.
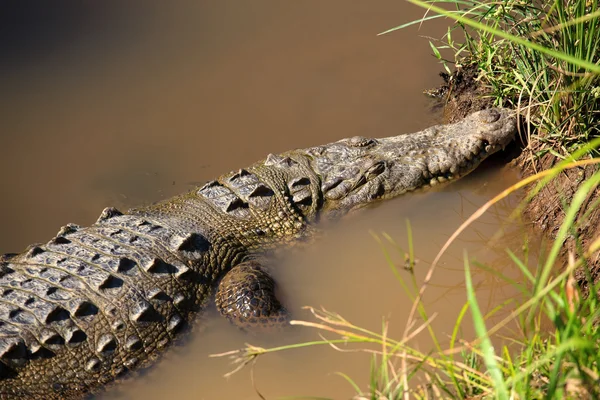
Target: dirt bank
{"x":463,"y":93}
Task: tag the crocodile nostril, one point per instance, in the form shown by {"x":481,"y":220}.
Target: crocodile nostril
{"x":489,"y":116}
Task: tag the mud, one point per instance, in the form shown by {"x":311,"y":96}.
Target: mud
{"x":461,"y":93}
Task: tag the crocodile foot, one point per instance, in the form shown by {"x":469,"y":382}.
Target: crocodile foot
{"x":246,"y":297}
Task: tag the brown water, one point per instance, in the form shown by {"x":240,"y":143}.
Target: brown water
{"x":110,"y":104}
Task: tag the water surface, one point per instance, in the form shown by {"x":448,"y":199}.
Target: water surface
{"x":106,"y":104}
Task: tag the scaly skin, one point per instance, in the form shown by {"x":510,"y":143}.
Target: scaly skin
{"x":96,"y":302}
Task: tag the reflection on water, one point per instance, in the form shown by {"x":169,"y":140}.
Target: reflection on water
{"x":114,"y":104}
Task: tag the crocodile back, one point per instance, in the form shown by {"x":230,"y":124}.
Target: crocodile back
{"x":95,"y":302}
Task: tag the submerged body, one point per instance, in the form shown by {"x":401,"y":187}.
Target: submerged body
{"x":96,"y":302}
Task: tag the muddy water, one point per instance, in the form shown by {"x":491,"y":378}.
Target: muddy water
{"x":110,"y":104}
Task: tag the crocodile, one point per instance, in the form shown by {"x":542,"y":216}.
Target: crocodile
{"x":94,"y":303}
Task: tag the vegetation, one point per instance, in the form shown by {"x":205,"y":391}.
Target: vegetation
{"x":541,"y":58}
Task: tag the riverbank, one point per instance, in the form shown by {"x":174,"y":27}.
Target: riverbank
{"x":466,"y":91}
{"x":558,"y":116}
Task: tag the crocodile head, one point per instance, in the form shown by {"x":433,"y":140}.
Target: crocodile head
{"x":357,"y":171}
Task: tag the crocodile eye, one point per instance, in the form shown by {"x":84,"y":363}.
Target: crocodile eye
{"x":360,"y":141}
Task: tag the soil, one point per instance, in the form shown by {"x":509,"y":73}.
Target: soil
{"x":462,"y":94}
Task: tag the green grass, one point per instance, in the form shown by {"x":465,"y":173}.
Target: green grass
{"x":542,"y":58}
